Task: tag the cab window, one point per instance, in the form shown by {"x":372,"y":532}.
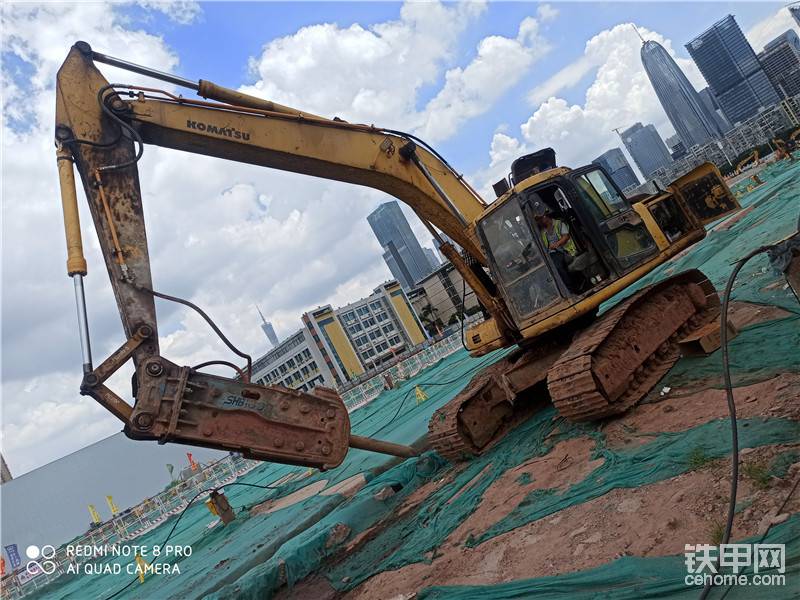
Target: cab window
{"x":521,"y":269}
{"x":627,"y":238}
{"x":604,"y":201}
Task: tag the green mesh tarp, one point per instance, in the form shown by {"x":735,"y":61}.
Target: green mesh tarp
{"x":256,"y":555}
{"x":635,"y":578}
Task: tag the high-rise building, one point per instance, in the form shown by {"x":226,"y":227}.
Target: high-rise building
{"x":675,"y":146}
{"x":618,"y":168}
{"x":707,"y":96}
{"x":397,"y":266}
{"x":646,"y":147}
{"x":693,"y":122}
{"x":402,"y":251}
{"x":781,"y":61}
{"x":729,"y":65}
{"x":268,"y":329}
{"x":432,"y":258}
{"x":794,"y":10}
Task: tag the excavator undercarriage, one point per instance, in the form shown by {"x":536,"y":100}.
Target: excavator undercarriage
{"x":604,"y":370}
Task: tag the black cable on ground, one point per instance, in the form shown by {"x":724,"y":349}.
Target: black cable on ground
{"x":726,"y":374}
{"x":178,"y":520}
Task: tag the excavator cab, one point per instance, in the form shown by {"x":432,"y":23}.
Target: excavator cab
{"x":607,"y":237}
{"x":610,"y":237}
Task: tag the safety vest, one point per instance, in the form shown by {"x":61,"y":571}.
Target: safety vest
{"x":569,"y":247}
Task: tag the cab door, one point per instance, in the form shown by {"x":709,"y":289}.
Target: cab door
{"x":705,"y":193}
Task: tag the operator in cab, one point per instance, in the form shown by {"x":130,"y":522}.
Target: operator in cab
{"x":557,"y":241}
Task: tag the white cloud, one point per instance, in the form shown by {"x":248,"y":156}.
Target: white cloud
{"x":388,"y":66}
{"x":470,"y":91}
{"x":503,"y":151}
{"x":363,"y":74}
{"x":180,"y":11}
{"x":547,"y":13}
{"x":769,"y":28}
{"x":565,"y":78}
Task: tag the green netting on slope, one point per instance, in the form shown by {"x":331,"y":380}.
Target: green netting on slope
{"x":635,"y":578}
{"x":407,"y":539}
{"x":756,"y":354}
{"x":779,"y":466}
{"x":303,"y":554}
{"x":666,"y":456}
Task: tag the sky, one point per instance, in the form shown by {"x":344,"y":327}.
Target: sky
{"x":482,"y":82}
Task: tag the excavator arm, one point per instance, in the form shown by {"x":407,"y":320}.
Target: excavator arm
{"x":103,"y":128}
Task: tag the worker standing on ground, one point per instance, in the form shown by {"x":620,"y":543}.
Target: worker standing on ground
{"x":556,"y":238}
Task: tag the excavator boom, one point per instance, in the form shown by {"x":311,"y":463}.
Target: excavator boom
{"x":103,"y":129}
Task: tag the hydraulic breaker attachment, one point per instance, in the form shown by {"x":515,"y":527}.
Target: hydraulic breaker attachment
{"x":182,"y":405}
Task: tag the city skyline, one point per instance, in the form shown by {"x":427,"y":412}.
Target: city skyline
{"x":697,"y":116}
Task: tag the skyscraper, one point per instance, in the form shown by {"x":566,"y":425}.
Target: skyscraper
{"x":729,"y":65}
{"x":781,"y":61}
{"x":402,"y":251}
{"x":268,"y":329}
{"x":795,"y":12}
{"x":394,"y":261}
{"x":432,"y":258}
{"x":707,"y":96}
{"x":618,"y":168}
{"x":675,"y":146}
{"x":691,"y":119}
{"x":646,"y":147}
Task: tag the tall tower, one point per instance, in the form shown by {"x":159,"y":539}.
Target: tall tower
{"x":794,"y":10}
{"x":690,"y":117}
{"x":268,"y":329}
{"x":402,"y":251}
{"x":781,"y":62}
{"x":731,"y":68}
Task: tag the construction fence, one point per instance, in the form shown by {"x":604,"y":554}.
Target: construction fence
{"x":370,"y":389}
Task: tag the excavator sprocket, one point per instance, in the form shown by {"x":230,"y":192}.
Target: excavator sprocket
{"x":614,"y":363}
{"x":603,"y":370}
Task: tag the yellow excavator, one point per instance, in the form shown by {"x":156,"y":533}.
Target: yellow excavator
{"x":537,"y":299}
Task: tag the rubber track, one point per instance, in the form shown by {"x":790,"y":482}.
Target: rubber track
{"x":573,"y":386}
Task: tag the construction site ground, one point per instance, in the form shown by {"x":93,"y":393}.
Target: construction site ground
{"x":555,"y":509}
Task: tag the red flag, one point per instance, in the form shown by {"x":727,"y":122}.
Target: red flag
{"x":191,"y":461}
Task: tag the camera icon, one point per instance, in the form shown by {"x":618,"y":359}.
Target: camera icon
{"x":46,"y":565}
